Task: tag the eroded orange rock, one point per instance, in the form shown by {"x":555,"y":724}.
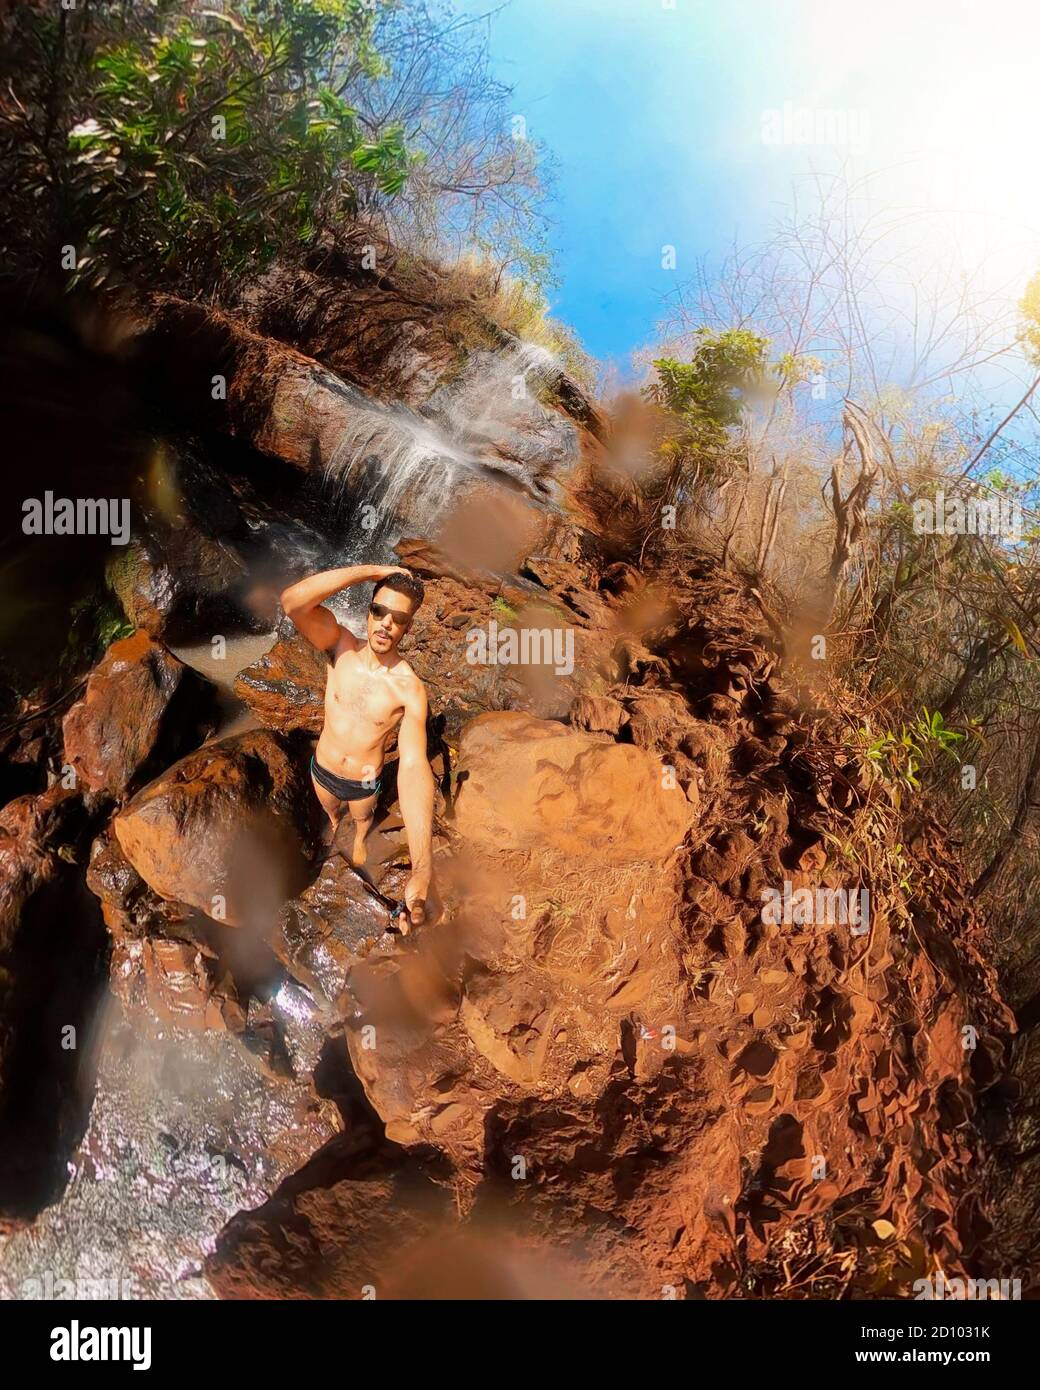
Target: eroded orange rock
{"x":285,"y":689}
{"x":32,"y":829}
{"x":526,"y":782}
{"x":115,"y":729}
{"x":227,"y":829}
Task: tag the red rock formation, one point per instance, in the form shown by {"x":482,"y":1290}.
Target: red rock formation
{"x":285,"y":689}
{"x":532,"y":784}
{"x":225,"y":829}
{"x":32,"y":831}
{"x":607,"y":1061}
{"x":625,"y":1058}
{"x":321,"y":934}
{"x":111,"y":733}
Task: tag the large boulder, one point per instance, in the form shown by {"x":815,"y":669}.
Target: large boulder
{"x":178,"y":583}
{"x":526,"y":783}
{"x":163,"y":965}
{"x":172,"y":963}
{"x":227,"y":829}
{"x":115,"y":731}
{"x":34,"y":831}
{"x":386,"y":1229}
{"x":346,"y":1240}
{"x":283,"y":403}
{"x":531,"y":985}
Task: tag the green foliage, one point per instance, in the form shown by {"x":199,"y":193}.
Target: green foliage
{"x":708,"y":395}
{"x":895,"y":758}
{"x":898,"y":758}
{"x":710,"y":391}
{"x":932,"y":729}
{"x":501,"y":609}
{"x":112,"y":626}
{"x":792,"y":369}
{"x":705,"y":398}
{"x":195,"y":144}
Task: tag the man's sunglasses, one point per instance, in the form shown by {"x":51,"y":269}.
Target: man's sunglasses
{"x":380,"y":610}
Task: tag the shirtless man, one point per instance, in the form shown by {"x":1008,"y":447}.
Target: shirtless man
{"x":371,"y":691}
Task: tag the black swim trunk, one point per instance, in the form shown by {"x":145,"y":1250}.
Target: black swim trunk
{"x":343,"y":787}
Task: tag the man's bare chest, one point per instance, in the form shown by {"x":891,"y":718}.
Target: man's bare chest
{"x":355,"y":694}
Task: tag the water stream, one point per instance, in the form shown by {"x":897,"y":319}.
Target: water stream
{"x":409,"y":466}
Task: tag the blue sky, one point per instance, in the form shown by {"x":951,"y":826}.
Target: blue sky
{"x":654,"y":113}
{"x":632,"y":101}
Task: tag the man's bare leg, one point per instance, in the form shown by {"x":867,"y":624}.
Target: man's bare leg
{"x":363,"y":814}
{"x":334,"y":809}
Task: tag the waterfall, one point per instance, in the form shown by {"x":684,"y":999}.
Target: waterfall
{"x":407,"y":466}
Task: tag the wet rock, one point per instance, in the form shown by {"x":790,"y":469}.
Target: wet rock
{"x":283,"y":403}
{"x":130,"y":908}
{"x":289,"y":1029}
{"x":33,"y":830}
{"x":524,"y":782}
{"x":171,"y":962}
{"x":285,"y":689}
{"x":227,"y":829}
{"x":27,"y":754}
{"x":324,"y":932}
{"x":140,"y":701}
{"x":185,"y":987}
{"x":500,"y":422}
{"x":185,"y":1130}
{"x":291,"y":408}
{"x":179,"y":584}
{"x":52,"y":968}
{"x":166,"y":961}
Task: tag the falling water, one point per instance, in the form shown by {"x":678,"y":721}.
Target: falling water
{"x":500,"y":394}
{"x":408,"y":466}
{"x":398,"y":463}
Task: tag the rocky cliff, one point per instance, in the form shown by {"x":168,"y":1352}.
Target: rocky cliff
{"x":609,"y":1071}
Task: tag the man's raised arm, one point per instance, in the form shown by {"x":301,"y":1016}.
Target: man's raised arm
{"x":302,"y":601}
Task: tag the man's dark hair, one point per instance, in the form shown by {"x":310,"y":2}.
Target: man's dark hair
{"x":403,"y":583}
